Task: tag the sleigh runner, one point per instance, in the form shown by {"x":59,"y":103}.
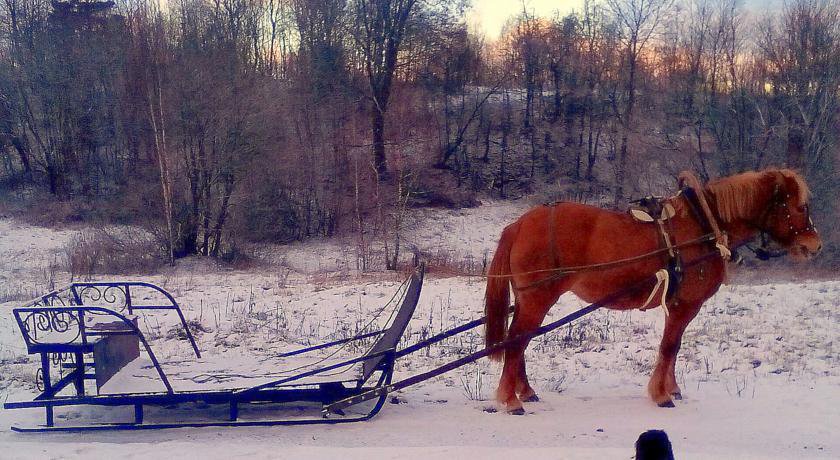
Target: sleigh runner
{"x":82,"y":340}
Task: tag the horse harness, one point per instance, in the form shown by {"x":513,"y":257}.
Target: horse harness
{"x":657,"y":210}
{"x":763,"y":251}
{"x":650,"y":209}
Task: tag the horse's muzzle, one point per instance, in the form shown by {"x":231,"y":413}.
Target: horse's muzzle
{"x":805,"y":247}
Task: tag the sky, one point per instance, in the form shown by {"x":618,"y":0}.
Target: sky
{"x":489,"y":16}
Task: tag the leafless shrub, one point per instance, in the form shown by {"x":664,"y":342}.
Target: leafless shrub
{"x":195,"y":326}
{"x":557,"y":382}
{"x":127,"y":250}
{"x":16,"y":293}
{"x":448,"y":262}
{"x":739,"y":386}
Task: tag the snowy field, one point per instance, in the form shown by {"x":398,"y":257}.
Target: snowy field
{"x":759,"y":367}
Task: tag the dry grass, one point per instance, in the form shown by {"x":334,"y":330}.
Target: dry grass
{"x":104,"y":251}
{"x":446,"y":263}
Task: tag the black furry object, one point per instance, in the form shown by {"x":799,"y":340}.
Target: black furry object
{"x":654,"y":445}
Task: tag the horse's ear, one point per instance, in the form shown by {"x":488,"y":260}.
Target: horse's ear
{"x":781,"y":187}
{"x":681,"y":177}
{"x":792,"y":183}
{"x":778,"y":179}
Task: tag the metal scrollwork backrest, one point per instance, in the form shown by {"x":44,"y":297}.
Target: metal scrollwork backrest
{"x":39,"y":379}
{"x":62,"y":298}
{"x":113,"y":297}
{"x":51,"y":326}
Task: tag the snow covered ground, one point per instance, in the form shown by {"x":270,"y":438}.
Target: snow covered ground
{"x":759,"y":367}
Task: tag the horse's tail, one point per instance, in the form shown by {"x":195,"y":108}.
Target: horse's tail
{"x":497,"y":295}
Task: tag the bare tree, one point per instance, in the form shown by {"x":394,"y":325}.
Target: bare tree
{"x":637,"y":21}
{"x":803,"y":52}
{"x":381,"y":27}
{"x":155,"y":51}
{"x":598,"y":52}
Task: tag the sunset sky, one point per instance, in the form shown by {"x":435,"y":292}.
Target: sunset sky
{"x":489,"y":16}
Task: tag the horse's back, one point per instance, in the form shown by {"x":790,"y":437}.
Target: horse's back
{"x":564,"y":235}
{"x":581,"y":234}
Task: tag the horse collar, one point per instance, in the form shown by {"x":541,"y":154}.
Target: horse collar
{"x":688,"y":181}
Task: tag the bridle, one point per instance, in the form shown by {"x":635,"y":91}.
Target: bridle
{"x":778,"y":203}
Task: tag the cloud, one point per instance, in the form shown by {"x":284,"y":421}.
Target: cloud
{"x":488,"y":17}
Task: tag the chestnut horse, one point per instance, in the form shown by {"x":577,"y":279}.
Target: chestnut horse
{"x":551,"y":237}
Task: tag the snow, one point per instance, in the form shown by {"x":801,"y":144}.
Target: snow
{"x":759,"y":367}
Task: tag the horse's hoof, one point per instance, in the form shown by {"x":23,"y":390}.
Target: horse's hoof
{"x":677,"y":396}
{"x":532,"y":398}
{"x":667,"y":403}
{"x":518,"y":411}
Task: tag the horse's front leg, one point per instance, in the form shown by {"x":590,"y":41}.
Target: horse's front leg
{"x":671,"y":378}
{"x":663,"y":381}
{"x":514,"y":388}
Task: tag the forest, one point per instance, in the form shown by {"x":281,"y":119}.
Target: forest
{"x":215,"y":124}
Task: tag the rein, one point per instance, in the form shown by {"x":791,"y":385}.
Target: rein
{"x":703,"y":213}
{"x":560,"y":272}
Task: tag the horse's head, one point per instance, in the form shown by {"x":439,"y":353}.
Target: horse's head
{"x":787,"y":218}
{"x":773,"y":202}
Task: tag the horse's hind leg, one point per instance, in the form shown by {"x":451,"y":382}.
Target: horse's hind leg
{"x":663,"y":382}
{"x":506,"y":392}
{"x":530,"y":311}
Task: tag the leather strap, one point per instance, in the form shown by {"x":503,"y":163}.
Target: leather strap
{"x":552,"y":237}
{"x":688,"y":179}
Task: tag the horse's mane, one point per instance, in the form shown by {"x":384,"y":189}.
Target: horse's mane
{"x":737,"y":196}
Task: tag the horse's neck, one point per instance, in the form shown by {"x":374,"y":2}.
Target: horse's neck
{"x":741,"y":229}
{"x":739,"y":232}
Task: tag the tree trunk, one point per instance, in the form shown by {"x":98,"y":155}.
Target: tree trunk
{"x":627,"y":125}
{"x":222,"y":218}
{"x":621,"y":169}
{"x":486,"y":157}
{"x":22,"y":151}
{"x":378,"y":125}
{"x":795,"y":147}
{"x":503,"y":154}
{"x":158,"y":130}
{"x":558,"y":99}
